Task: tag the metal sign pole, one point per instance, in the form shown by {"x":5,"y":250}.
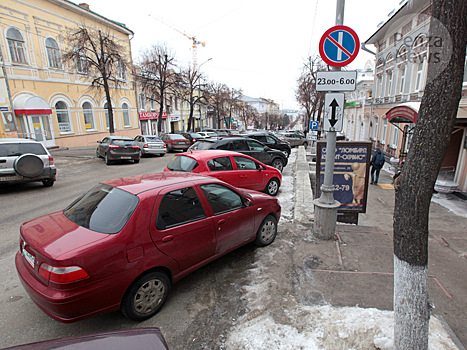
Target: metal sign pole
{"x":324,"y":225}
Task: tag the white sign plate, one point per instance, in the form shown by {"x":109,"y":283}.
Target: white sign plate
{"x":333,"y":111}
{"x":336,"y":81}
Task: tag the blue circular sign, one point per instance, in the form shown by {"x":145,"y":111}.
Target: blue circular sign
{"x":339,"y":46}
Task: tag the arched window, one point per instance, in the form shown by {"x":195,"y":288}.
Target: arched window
{"x":389,"y":73}
{"x":63,"y":117}
{"x":88,"y":116}
{"x":126,"y":114}
{"x":53,"y":53}
{"x":402,"y":59}
{"x":16,"y":45}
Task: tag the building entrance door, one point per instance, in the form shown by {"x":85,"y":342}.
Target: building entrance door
{"x":40,"y":129}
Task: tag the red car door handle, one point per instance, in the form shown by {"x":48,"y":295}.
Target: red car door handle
{"x":221,"y":221}
{"x":167,"y":238}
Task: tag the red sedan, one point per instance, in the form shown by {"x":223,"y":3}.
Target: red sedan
{"x":234,"y":168}
{"x":122,"y":244}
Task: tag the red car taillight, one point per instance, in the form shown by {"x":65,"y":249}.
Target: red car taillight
{"x":62,"y":274}
{"x":113,"y":146}
{"x":194,"y":140}
{"x":165,"y":146}
{"x":51,"y":160}
{"x":145,"y":145}
{"x":137,"y":147}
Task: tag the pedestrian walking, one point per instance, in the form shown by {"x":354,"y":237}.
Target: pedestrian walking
{"x":377,"y":162}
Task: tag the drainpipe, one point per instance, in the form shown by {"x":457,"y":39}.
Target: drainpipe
{"x":7,"y":84}
{"x":364,"y":48}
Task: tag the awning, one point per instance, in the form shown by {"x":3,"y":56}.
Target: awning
{"x":404,"y":113}
{"x":27,"y":105}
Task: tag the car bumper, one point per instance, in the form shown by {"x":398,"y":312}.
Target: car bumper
{"x":49,"y":173}
{"x":154,"y":150}
{"x":123,"y":156}
{"x":72,"y":304}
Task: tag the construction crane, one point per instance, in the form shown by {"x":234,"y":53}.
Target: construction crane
{"x":194,"y":42}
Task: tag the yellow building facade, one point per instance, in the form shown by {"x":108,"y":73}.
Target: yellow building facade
{"x":45,"y":98}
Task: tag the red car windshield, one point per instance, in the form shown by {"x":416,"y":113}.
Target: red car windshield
{"x":104,"y":209}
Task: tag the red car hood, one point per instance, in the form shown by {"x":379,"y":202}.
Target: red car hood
{"x":54,"y":234}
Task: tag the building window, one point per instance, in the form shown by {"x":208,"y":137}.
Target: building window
{"x":53,"y":53}
{"x":126,"y":114}
{"x":389,"y":83}
{"x":63,"y":117}
{"x":16,"y":45}
{"x":88,"y":116}
{"x":142,"y":101}
{"x":121,"y":70}
{"x":82,"y":63}
{"x":395,"y":136}
{"x":375,"y":130}
{"x":106,"y":111}
{"x":419,"y":75}
{"x":384,"y":131}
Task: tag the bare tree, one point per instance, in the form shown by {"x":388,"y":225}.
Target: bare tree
{"x":307,"y":96}
{"x":233,"y":103}
{"x":435,"y":123}
{"x":191,"y":90}
{"x":98,"y":54}
{"x":218,"y":98}
{"x":157,"y":76}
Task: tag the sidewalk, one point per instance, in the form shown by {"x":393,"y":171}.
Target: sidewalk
{"x":357,"y":268}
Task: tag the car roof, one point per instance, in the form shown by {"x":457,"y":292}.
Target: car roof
{"x":141,"y":183}
{"x":120,"y":138}
{"x":208,"y":153}
{"x":18,"y":140}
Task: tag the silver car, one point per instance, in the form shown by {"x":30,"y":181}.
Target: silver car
{"x":25,"y":160}
{"x":150,"y":144}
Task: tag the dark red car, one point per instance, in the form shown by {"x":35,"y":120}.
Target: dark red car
{"x":235,"y":168}
{"x":122,"y":244}
{"x":176,"y":142}
{"x":149,"y":338}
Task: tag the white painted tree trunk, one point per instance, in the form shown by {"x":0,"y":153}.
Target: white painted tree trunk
{"x":411,"y":306}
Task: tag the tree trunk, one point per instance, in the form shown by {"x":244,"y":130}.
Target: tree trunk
{"x":109,"y":108}
{"x":435,"y":123}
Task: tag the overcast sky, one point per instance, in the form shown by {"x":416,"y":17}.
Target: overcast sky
{"x":258,"y":46}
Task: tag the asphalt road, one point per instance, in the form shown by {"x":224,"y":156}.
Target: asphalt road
{"x":200,"y":308}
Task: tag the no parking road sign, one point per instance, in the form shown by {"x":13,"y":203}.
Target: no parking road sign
{"x":339,"y":46}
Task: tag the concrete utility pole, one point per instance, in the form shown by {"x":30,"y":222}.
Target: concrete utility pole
{"x":326,"y":206}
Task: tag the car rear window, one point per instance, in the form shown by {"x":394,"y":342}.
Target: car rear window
{"x":153,"y":139}
{"x":17,"y":149}
{"x":104,"y":209}
{"x":182,"y":163}
{"x":123,"y":142}
{"x":200,"y":145}
{"x":176,"y":137}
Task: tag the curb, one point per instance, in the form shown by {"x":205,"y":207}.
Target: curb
{"x":304,"y":207}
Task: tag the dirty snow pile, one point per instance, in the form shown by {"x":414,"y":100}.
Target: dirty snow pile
{"x":285,"y":324}
{"x":276,"y":320}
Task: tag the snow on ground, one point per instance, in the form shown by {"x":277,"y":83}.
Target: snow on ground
{"x":280,"y":322}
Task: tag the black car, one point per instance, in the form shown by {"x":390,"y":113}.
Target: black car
{"x":113,"y":148}
{"x":247,"y":146}
{"x":192,"y":137}
{"x":271,"y":141}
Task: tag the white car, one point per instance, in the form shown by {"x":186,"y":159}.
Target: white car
{"x":150,"y":144}
{"x":26,"y":160}
{"x":208,"y":134}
